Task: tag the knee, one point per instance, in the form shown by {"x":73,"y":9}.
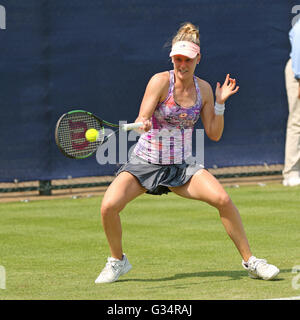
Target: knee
{"x":109,"y":208}
{"x":223,"y":200}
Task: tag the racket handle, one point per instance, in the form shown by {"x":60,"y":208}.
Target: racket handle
{"x":130,"y":126}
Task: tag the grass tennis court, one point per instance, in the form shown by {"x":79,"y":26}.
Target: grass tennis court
{"x":55,"y":249}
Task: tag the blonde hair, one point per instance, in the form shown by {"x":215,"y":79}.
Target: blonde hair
{"x":187,"y":32}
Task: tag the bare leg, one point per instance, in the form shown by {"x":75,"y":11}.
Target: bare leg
{"x":122,"y":190}
{"x":205,"y":187}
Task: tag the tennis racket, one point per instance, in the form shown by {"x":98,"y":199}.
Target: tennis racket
{"x":70,"y":133}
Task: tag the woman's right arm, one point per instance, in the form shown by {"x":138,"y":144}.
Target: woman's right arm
{"x":155,"y":92}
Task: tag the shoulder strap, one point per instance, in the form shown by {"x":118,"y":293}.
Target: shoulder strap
{"x":199,"y":98}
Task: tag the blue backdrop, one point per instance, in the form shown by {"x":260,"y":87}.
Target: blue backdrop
{"x":99,"y":55}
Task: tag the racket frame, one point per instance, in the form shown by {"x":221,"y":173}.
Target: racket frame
{"x":58,"y":124}
{"x":101,"y":123}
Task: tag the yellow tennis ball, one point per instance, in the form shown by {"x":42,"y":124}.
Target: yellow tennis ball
{"x":91,"y":135}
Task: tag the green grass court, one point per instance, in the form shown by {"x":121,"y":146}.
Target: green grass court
{"x":55,"y":249}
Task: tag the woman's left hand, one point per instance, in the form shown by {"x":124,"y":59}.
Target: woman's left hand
{"x":228,"y":89}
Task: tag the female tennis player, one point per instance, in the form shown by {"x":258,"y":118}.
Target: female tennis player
{"x":173,"y":101}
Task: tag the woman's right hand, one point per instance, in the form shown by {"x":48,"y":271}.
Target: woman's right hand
{"x":147,"y":124}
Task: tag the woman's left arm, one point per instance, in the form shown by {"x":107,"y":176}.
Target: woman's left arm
{"x":214,"y":123}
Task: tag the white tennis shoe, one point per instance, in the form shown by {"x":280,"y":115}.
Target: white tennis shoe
{"x":291,"y":182}
{"x":260,"y":269}
{"x":113,"y":269}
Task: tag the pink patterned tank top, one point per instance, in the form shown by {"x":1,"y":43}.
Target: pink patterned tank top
{"x":169,"y":141}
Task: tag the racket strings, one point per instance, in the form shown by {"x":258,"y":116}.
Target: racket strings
{"x":71,"y":134}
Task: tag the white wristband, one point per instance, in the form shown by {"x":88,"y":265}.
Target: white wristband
{"x":219,"y":109}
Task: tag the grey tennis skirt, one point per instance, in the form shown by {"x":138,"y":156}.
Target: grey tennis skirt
{"x":156,"y":178}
